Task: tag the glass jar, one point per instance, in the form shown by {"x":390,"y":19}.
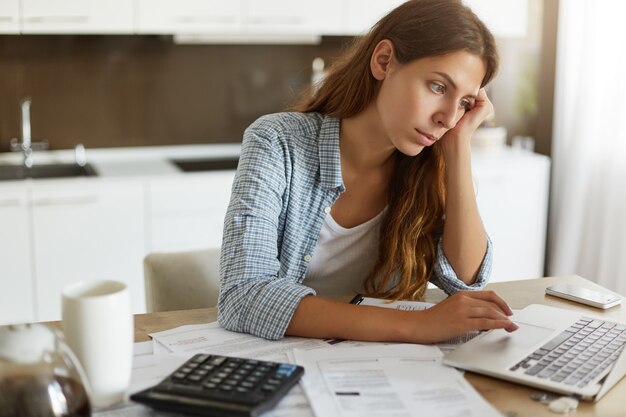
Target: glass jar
{"x":39,"y":374}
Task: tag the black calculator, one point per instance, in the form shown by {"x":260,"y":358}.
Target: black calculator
{"x":216,"y":386}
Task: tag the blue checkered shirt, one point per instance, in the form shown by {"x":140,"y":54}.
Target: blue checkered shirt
{"x":289,"y":172}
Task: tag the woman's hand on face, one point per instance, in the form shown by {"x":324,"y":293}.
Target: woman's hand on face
{"x":469,"y":122}
{"x":467,"y":311}
{"x":477,"y":114}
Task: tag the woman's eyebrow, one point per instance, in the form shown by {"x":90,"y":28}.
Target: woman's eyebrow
{"x":449,"y":79}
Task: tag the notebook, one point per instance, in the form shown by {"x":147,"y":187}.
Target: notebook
{"x":554,"y":349}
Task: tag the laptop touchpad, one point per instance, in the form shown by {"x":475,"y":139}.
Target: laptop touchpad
{"x":526,"y":336}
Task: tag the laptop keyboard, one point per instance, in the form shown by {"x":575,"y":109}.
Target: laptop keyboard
{"x":577,"y":355}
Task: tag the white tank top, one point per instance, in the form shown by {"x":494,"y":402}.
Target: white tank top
{"x":343,"y":258}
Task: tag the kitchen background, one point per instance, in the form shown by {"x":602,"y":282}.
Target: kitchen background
{"x":112,"y":91}
{"x":145,"y":100}
{"x":142,"y":90}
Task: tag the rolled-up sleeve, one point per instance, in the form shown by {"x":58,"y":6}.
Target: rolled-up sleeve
{"x":254,"y":296}
{"x":445,"y":278}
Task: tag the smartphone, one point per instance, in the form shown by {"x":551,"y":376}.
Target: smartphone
{"x":583,"y":295}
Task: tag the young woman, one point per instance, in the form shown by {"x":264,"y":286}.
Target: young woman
{"x":368,"y":188}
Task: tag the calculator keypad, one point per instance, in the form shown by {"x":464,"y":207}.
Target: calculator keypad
{"x":220,"y":376}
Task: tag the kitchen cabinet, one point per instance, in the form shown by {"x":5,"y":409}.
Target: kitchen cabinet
{"x":188,"y":213}
{"x":76,"y":16}
{"x":9,"y":16}
{"x":83,"y":231}
{"x":506,"y":19}
{"x":188,"y":16}
{"x":293,"y":17}
{"x":361,"y":15}
{"x":512,"y":189}
{"x":56,"y":232}
{"x":16,"y":278}
{"x":233,"y":17}
{"x":267,"y":17}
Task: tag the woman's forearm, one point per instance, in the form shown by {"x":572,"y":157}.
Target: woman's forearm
{"x":458,"y":314}
{"x":322,"y":319}
{"x":464,"y":238}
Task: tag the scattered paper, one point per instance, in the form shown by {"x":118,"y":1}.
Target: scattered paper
{"x":155,"y":360}
{"x":211,"y":338}
{"x":365,"y":379}
{"x":398,"y":381}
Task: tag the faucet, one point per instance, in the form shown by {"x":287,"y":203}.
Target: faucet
{"x":27,"y":146}
{"x":26,"y":139}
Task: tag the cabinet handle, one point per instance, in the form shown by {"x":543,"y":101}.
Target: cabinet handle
{"x":57,"y":19}
{"x":205,"y":19}
{"x":277,"y":20}
{"x":12,"y":202}
{"x":6,"y":19}
{"x":66,"y":201}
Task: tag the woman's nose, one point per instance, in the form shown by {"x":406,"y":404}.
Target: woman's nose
{"x":446,"y":118}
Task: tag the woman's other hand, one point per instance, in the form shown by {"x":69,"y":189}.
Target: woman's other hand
{"x":464,"y":312}
{"x":471,"y":120}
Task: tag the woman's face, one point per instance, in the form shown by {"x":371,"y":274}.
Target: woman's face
{"x":420,"y":101}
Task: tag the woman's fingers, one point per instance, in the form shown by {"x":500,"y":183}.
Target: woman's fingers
{"x":490,"y":324}
{"x":483,"y":104}
{"x":470,"y":311}
{"x":484,"y":310}
{"x":492,"y":297}
{"x":480,"y":111}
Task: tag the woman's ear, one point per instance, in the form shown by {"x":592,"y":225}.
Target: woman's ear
{"x":381,"y":59}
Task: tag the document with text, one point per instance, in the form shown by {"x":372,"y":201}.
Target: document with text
{"x":391,"y":381}
{"x":212,"y":338}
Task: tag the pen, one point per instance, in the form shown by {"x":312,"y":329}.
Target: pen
{"x":357,"y":299}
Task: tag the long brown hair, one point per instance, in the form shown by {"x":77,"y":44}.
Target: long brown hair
{"x":417,"y":191}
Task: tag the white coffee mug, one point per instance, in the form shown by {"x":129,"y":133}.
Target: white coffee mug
{"x":98,"y":326}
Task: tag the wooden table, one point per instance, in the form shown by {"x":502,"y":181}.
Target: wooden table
{"x":511,"y":399}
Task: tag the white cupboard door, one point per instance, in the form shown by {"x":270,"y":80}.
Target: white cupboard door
{"x":507,"y":19}
{"x":16,"y":276}
{"x":512,"y":195}
{"x":188,"y":16}
{"x":293,"y":17}
{"x":77,"y":16}
{"x":85,"y":231}
{"x":9,"y":16}
{"x":187,"y":214}
{"x":363,"y":14}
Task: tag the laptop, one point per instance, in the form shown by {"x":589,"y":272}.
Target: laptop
{"x":554,"y":349}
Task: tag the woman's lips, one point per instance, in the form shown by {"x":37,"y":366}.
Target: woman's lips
{"x":429,"y":139}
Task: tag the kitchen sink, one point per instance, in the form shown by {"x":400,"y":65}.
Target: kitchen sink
{"x":206,"y":164}
{"x":18,"y":172}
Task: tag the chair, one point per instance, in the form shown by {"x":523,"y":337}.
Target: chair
{"x":181,"y":280}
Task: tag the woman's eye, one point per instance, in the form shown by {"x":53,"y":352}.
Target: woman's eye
{"x":466,"y":104}
{"x":438,"y":88}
